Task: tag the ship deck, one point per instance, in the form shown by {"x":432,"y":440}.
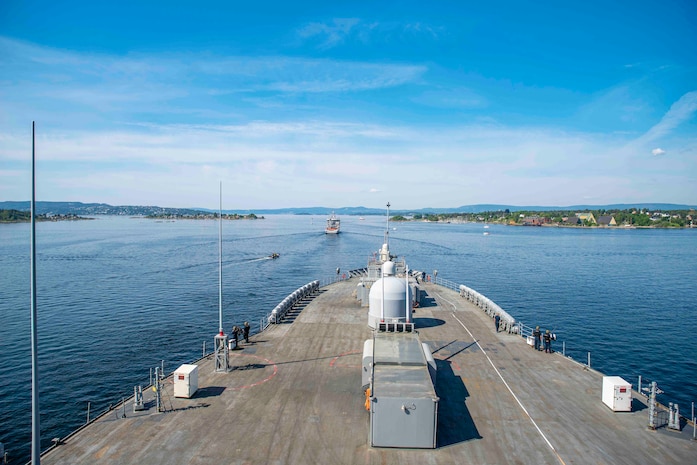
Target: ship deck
{"x":294,"y":396}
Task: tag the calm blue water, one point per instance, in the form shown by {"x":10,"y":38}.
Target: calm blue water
{"x":117,"y":295}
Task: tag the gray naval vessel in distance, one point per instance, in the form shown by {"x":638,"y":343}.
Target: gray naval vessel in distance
{"x":380,"y":367}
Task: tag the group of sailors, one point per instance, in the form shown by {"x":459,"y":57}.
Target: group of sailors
{"x":237,"y":331}
{"x":547,"y":338}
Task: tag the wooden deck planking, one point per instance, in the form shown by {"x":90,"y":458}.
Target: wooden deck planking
{"x":294,"y":397}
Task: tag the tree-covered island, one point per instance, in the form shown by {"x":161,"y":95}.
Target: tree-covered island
{"x":21,"y":216}
{"x":17,"y":216}
{"x":632,"y":218}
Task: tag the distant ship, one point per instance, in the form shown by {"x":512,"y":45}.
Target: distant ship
{"x":333,"y":225}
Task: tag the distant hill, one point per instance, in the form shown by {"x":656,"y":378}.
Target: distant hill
{"x":79,"y":208}
{"x":89,"y":209}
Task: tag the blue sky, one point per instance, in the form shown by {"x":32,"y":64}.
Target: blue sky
{"x":318,"y":104}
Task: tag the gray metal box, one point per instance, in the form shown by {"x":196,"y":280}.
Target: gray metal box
{"x":404,"y":404}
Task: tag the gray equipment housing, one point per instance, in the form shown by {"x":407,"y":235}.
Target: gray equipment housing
{"x":403,"y":402}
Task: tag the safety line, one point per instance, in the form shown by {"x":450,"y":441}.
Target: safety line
{"x":511,"y":391}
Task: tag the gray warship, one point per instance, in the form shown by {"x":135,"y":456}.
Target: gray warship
{"x":382,"y":366}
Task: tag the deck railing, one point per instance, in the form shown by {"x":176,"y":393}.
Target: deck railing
{"x":663,"y":415}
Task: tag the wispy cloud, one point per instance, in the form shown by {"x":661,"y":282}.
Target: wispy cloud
{"x":619,"y":103}
{"x":679,"y":112}
{"x":330,"y":34}
{"x":136,"y":82}
{"x":339,"y":31}
{"x":259,"y":160}
{"x":125,"y":129}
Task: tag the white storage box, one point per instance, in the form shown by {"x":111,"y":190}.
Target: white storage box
{"x":617,"y":394}
{"x":186,"y":381}
{"x":531,"y":341}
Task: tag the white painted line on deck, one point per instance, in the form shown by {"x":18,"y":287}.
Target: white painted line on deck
{"x":511,"y":391}
{"x":440,"y":297}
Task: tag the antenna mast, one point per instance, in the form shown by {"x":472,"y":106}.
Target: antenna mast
{"x":35,"y":425}
{"x":387,"y":228}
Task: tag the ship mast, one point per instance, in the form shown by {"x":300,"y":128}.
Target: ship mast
{"x":387,"y":227}
{"x":382,"y":269}
{"x":35,"y":425}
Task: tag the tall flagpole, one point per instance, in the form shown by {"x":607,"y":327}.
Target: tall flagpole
{"x":222,"y":356}
{"x":35,"y":424}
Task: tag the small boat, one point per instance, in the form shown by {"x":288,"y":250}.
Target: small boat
{"x":333,"y":224}
{"x":274,"y":255}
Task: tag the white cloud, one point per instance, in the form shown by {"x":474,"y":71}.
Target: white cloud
{"x":338,"y":31}
{"x":331,"y":34}
{"x":679,"y":112}
{"x":110,"y":131}
{"x":36,"y":78}
{"x":658,"y":151}
{"x":270,"y":165}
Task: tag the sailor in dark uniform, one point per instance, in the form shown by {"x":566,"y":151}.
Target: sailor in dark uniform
{"x":548,"y":342}
{"x":235,"y":335}
{"x":246,"y":331}
{"x":536,"y":335}
{"x":497,"y":321}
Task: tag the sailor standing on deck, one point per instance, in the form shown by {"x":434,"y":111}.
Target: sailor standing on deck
{"x":548,"y":342}
{"x":235,"y":335}
{"x":536,"y":335}
{"x":497,"y":321}
{"x":246,"y":331}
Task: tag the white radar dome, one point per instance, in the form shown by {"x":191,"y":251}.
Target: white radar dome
{"x":395,"y":297}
